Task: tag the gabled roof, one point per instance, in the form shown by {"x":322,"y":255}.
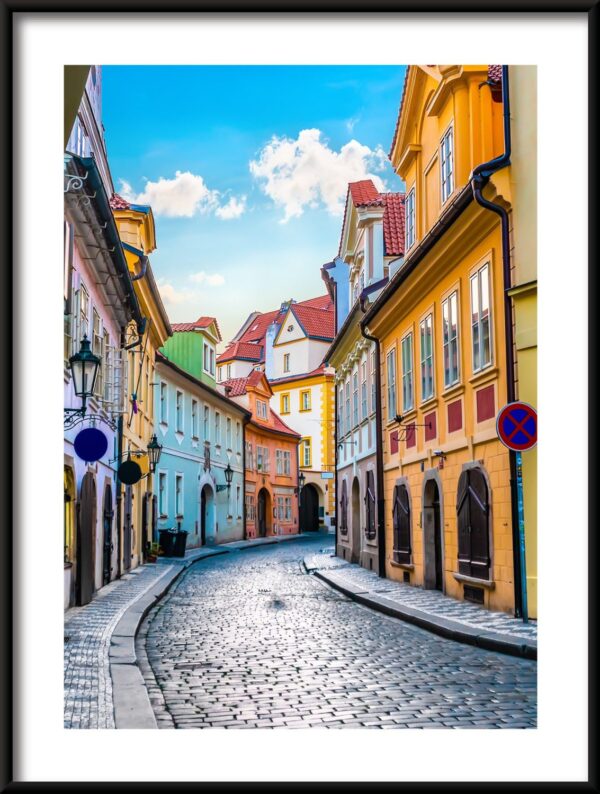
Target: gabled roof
{"x":201,"y":324}
{"x":118,"y":202}
{"x":241,"y":351}
{"x":365,"y":194}
{"x":235,"y":387}
{"x":316,"y":323}
{"x":281,"y":426}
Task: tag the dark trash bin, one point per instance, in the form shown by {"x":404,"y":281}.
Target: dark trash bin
{"x":180,"y":539}
{"x":166,"y":539}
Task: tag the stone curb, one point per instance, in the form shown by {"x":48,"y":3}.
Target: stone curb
{"x":450,"y":629}
{"x":131,"y":702}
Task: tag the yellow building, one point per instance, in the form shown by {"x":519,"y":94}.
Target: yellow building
{"x":440,"y":323}
{"x":138,"y":504}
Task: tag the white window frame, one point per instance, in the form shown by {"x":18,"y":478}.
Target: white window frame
{"x":179,"y":406}
{"x":347,"y":415}
{"x":450,"y":318}
{"x":164,"y":403}
{"x":206,"y":422}
{"x":306,"y":447}
{"x":194,"y":416}
{"x":228,"y":436}
{"x":392,"y":403}
{"x":410,"y":218}
{"x":477,"y":277}
{"x":179,"y":500}
{"x":364,"y":407}
{"x":217,"y":429}
{"x":286,"y":362}
{"x":408,"y":375}
{"x":163,"y":494}
{"x":355,"y":398}
{"x":447,"y":165}
{"x":373,"y":382}
{"x":426,"y":360}
{"x":238,"y":437}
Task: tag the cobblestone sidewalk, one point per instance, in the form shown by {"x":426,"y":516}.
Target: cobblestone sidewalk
{"x":428,"y":601}
{"x":88,"y":629}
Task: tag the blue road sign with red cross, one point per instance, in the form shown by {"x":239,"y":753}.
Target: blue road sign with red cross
{"x":517,"y":426}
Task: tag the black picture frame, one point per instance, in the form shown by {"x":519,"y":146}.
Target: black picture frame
{"x":9,"y":451}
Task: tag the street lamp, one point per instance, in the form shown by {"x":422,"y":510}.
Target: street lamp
{"x":84,"y":368}
{"x":154,"y":450}
{"x":228,"y":476}
{"x":301,"y":479}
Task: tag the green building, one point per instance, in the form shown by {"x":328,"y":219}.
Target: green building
{"x":193,"y":348}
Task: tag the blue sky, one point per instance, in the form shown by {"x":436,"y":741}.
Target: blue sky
{"x":245,"y":169}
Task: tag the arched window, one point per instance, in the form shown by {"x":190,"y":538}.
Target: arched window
{"x":344,"y":510}
{"x":401,"y":524}
{"x":472,"y":507}
{"x":370,"y":505}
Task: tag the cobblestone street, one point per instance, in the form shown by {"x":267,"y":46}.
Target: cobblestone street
{"x":248,"y":639}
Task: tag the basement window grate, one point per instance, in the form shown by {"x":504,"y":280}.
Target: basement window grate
{"x":474,"y":594}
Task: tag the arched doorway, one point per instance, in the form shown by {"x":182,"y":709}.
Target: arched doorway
{"x":432,"y":537}
{"x":107,"y":544}
{"x":356,"y":535}
{"x":263,"y":513}
{"x":86,"y":525}
{"x":309,"y":509}
{"x":207,"y":515}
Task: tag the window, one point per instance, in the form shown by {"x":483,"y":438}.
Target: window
{"x":238,"y":493}
{"x":370,"y":505}
{"x":84,"y":315}
{"x":238,"y":437}
{"x":410,"y":219}
{"x":305,"y":403}
{"x":285,"y":403}
{"x":408,"y":392}
{"x":283,"y":462}
{"x":355,"y":399}
{"x":306,"y":453}
{"x":427,"y":358}
{"x":206,"y":423}
{"x":363,"y":389}
{"x":194,"y":418}
{"x":446,"y":165}
{"x":228,"y":371}
{"x":228,"y":433}
{"x":373,"y":382}
{"x":391,"y":384}
{"x":450,"y":331}
{"x":280,"y":508}
{"x":162,"y":493}
{"x":209,"y":359}
{"x":179,"y":495}
{"x":340,"y":410}
{"x":179,"y":411}
{"x":217,"y":428}
{"x":344,"y":510}
{"x":212,"y":362}
{"x":107,"y":367}
{"x":286,"y":362}
{"x":250,"y":508}
{"x":98,"y":350}
{"x":163,"y":403}
{"x":220,"y":373}
{"x":249,"y":456}
{"x":261,"y":409}
{"x":401,"y":524}
{"x":288,"y":508}
{"x":262,"y":458}
{"x":347,"y":406}
{"x":480,"y":319}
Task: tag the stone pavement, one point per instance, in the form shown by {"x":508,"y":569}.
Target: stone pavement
{"x":250,"y":640}
{"x":459,"y":620}
{"x":88,"y":631}
{"x":94,"y":642}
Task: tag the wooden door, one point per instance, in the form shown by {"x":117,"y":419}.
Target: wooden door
{"x":86,"y":525}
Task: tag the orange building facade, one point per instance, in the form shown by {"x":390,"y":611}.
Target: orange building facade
{"x":270,"y":461}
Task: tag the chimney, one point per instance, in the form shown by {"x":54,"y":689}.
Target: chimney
{"x":270,"y":335}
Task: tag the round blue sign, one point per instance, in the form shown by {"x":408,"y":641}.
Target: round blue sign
{"x":90,"y":444}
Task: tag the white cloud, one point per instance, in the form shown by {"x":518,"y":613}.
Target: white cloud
{"x":211,"y":279}
{"x":306,"y":172}
{"x":170,"y":295}
{"x":183,"y":197}
{"x":233,"y":209}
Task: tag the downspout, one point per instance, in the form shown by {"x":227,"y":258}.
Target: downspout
{"x":245,"y":420}
{"x":118,"y":481}
{"x":479,"y":179}
{"x":379,"y":451}
{"x":144,"y":260}
{"x":335,"y":452}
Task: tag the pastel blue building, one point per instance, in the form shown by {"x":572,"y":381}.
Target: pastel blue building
{"x":202,"y":433}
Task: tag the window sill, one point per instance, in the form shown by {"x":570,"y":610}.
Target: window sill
{"x":487,"y":583}
{"x":453,"y":391}
{"x":430,"y":403}
{"x":406,"y":566}
{"x":485,"y":375}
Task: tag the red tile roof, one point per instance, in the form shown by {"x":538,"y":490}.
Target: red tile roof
{"x":315,"y":322}
{"x":201,"y":322}
{"x":247,"y":351}
{"x":281,"y":426}
{"x":365,"y":194}
{"x":118,"y":202}
{"x":322,"y":302}
{"x":235,"y":387}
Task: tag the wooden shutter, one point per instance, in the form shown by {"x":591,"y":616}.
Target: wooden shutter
{"x":344,"y":510}
{"x":401,"y":522}
{"x":472,"y":509}
{"x":370,"y":500}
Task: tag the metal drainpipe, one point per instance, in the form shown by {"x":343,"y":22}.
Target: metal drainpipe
{"x":144,"y":260}
{"x":479,"y":179}
{"x":118,"y":481}
{"x":335,"y":452}
{"x":245,"y":420}
{"x":379,"y":455}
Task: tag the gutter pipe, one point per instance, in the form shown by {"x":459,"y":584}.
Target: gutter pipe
{"x":144,"y":260}
{"x":479,"y":179}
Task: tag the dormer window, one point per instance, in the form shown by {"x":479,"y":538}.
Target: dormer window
{"x":261,"y":409}
{"x":209,"y":360}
